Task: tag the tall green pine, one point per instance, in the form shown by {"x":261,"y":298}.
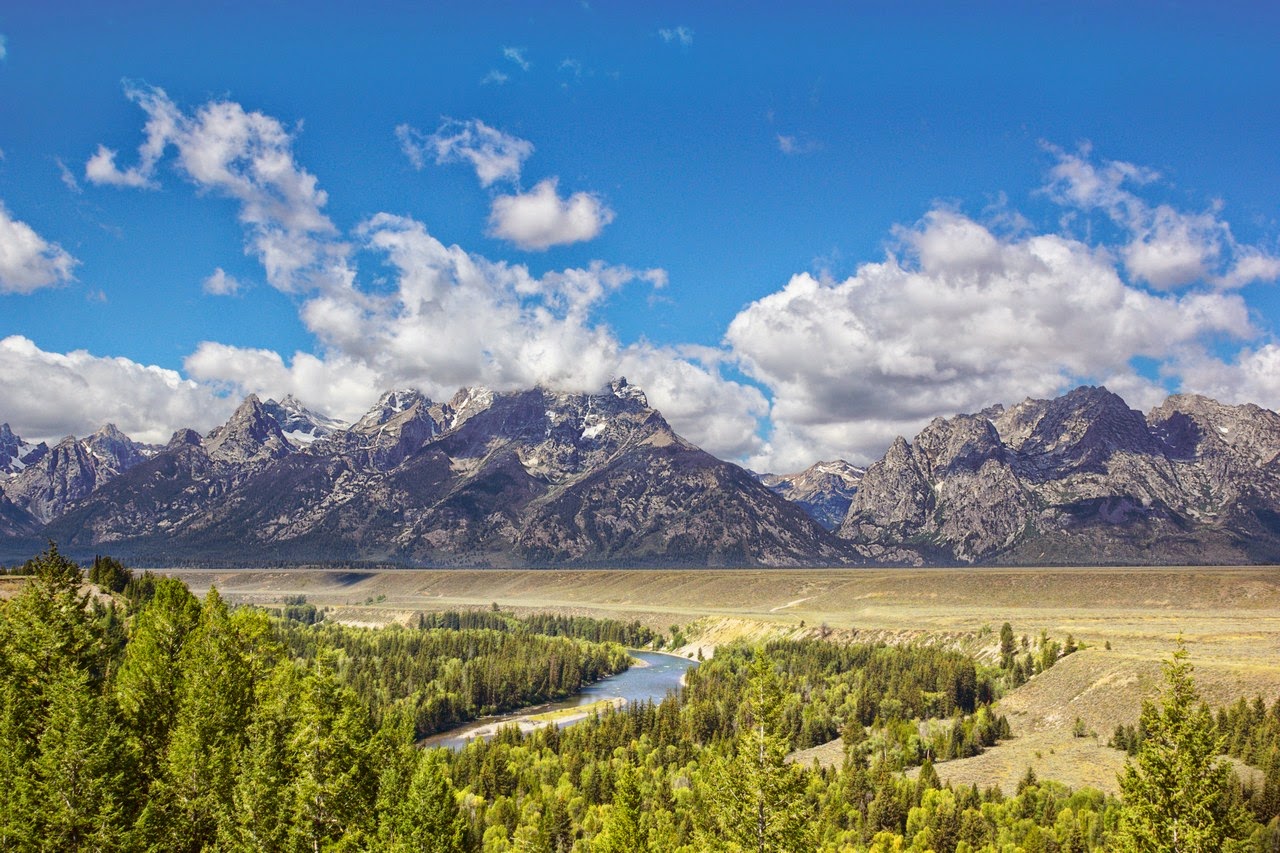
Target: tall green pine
{"x":1177,"y":793}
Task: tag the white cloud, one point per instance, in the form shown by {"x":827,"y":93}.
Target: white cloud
{"x":496,"y":156}
{"x":494,"y":76}
{"x":79,"y":392}
{"x":1166,"y":248}
{"x":28,"y":262}
{"x":965,"y":319}
{"x":539,"y":219}
{"x":246,"y":156}
{"x":681,"y":35}
{"x":220,"y":284}
{"x":794,"y":144}
{"x":4,"y":47}
{"x":516,"y":55}
{"x":457,"y":319}
{"x":68,"y":179}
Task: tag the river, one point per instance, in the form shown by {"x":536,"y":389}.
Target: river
{"x":661,"y":674}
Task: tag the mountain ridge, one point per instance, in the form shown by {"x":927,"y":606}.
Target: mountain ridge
{"x":539,"y":477}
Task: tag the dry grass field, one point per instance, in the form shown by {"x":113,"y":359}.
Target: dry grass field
{"x":1228,"y":617}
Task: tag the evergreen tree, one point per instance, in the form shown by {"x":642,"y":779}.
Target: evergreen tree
{"x":1177,"y":793}
{"x":1006,"y":646}
{"x":335,"y":784}
{"x":428,"y":819}
{"x":147,"y":683}
{"x":264,"y":774}
{"x":77,"y":777}
{"x":194,"y":793}
{"x":756,"y":797}
{"x":622,"y":831}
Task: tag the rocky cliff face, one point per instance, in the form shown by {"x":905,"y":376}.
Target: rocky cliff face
{"x":526,"y":478}
{"x":46,"y":482}
{"x":1079,"y":479}
{"x":544,"y":478}
{"x":824,"y":490}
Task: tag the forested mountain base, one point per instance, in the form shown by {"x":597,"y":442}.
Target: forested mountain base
{"x":136,"y":717}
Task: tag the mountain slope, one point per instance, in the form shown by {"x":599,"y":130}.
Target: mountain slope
{"x":527,"y":478}
{"x":1080,"y":479}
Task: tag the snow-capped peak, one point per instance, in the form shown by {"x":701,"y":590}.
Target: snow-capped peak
{"x":299,"y":424}
{"x":16,"y":454}
{"x":623,"y":390}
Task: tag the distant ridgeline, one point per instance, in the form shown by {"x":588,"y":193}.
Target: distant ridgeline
{"x":538,"y":478}
{"x":137,"y":717}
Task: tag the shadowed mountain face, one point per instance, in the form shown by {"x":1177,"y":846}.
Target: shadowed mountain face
{"x":528,"y":478}
{"x":824,"y":490}
{"x":544,"y":478}
{"x":1080,"y":479}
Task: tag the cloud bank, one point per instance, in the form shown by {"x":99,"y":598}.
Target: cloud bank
{"x":959,"y":313}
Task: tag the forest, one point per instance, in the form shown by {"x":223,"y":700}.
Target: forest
{"x":137,"y":716}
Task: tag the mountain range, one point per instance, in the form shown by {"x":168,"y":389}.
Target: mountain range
{"x":540,"y":478}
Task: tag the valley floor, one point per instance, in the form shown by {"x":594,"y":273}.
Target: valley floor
{"x":1228,"y":617}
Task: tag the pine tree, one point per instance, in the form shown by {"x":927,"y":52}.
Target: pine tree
{"x":335,"y":784}
{"x":756,"y":797}
{"x":79,"y":772}
{"x":622,"y":831}
{"x":1177,"y":793}
{"x":194,"y":793}
{"x":428,"y":820}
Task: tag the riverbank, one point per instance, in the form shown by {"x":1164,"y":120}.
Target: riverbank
{"x":532,"y":722}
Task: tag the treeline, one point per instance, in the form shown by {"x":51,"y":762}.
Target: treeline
{"x":630,"y":634}
{"x":444,"y":677}
{"x":845,"y":689}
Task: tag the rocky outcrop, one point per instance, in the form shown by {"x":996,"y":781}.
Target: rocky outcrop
{"x":824,"y":490}
{"x":1080,"y":479}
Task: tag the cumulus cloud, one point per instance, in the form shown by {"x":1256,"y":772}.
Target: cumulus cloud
{"x":220,"y":284}
{"x":681,"y":35}
{"x":1166,"y":248}
{"x":80,"y":392}
{"x":28,"y":262}
{"x":456,"y":318}
{"x":962,"y":319}
{"x":246,"y":156}
{"x":540,"y":218}
{"x":496,"y":156}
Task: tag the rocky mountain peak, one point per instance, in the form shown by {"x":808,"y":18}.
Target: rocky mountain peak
{"x":184,"y":438}
{"x":623,"y":390}
{"x":1192,"y":426}
{"x":251,"y":435}
{"x":391,"y":406}
{"x":114,"y":450}
{"x":466,"y":403}
{"x":300,"y":425}
{"x":960,"y":443}
{"x":16,"y":454}
{"x":1080,"y":430}
{"x":824,"y":489}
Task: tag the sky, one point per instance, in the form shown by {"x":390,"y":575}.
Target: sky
{"x":801,"y":232}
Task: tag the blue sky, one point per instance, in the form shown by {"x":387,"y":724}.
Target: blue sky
{"x":802,"y":233}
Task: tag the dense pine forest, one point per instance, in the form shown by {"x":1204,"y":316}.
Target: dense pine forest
{"x":137,"y":716}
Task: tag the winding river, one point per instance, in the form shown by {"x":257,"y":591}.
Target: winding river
{"x":660,"y":674}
